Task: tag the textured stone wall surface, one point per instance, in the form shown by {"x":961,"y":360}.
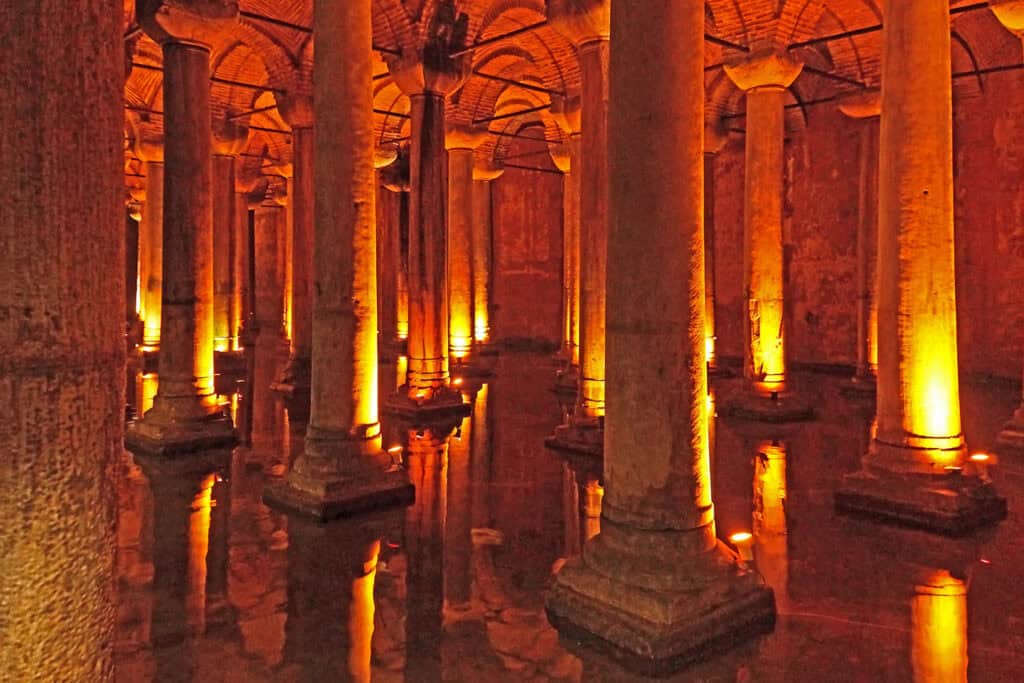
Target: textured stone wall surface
{"x":527,"y":289}
{"x":821,"y":226}
{"x":61,"y":335}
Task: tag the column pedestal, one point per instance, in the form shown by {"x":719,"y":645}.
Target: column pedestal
{"x":1012,"y":435}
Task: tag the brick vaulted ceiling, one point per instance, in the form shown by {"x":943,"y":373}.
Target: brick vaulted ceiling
{"x":269,"y":52}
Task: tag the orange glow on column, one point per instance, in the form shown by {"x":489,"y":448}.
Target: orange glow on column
{"x":939,"y":638}
{"x":593,"y":495}
{"x":360,"y":623}
{"x":709,"y":345}
{"x":769,"y":518}
{"x":148,"y":384}
{"x":461,"y":142}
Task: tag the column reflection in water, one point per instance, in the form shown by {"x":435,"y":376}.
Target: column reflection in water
{"x":427,"y":460}
{"x":457,"y":540}
{"x":939,"y":629}
{"x":134,"y":575}
{"x":771,"y":551}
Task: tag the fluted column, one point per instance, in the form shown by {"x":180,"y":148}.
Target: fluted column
{"x":427,"y":76}
{"x":916,"y":470}
{"x":295,"y":375}
{"x":715,"y":138}
{"x":62,"y":349}
{"x":228,"y":141}
{"x":866,"y":108}
{"x":483,"y":226}
{"x":151,"y":244}
{"x":460,"y":141}
{"x":764,"y":77}
{"x":586,"y":25}
{"x":343,"y":469}
{"x":654,"y":608}
{"x":185,"y":414}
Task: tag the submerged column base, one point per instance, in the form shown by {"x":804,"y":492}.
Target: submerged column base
{"x":360,"y":483}
{"x":166,"y":431}
{"x":656,"y":632}
{"x":775,"y":407}
{"x":580,"y":435}
{"x":861,"y":385}
{"x":475,"y":365}
{"x":952,"y":504}
{"x":1011,"y":437}
{"x":295,"y":377}
{"x":443,"y":403}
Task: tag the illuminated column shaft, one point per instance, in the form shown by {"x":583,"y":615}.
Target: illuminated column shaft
{"x":483,"y":175}
{"x":656,"y":463}
{"x":269,"y":242}
{"x":62,"y":374}
{"x":428,"y":291}
{"x":151,"y":253}
{"x":460,"y":142}
{"x":242,"y":249}
{"x":765,"y":351}
{"x":185,"y":413}
{"x":918,"y":389}
{"x":223,"y":237}
{"x":715,"y":138}
{"x":342,"y":469}
{"x":458,"y":526}
{"x":388,"y":265}
{"x":402,"y":275}
{"x":867,"y":241}
{"x":572,"y":247}
{"x":593,"y":238}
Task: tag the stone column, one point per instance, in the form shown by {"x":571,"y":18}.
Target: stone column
{"x":916,"y":470}
{"x":297,"y":112}
{"x":248,"y":196}
{"x":586,"y":25}
{"x":133,"y":216}
{"x":62,"y":352}
{"x":428,"y":77}
{"x":715,"y":138}
{"x":270,"y":223}
{"x":394,"y":177}
{"x":185,"y":414}
{"x":460,"y":141}
{"x":483,"y":174}
{"x":229,"y":140}
{"x":343,"y":469}
{"x":566,"y":111}
{"x":388,"y":253}
{"x":151,"y":245}
{"x":764,"y":77}
{"x":866,"y":107}
{"x":770,"y":536}
{"x":652,"y":609}
{"x":1011,"y":15}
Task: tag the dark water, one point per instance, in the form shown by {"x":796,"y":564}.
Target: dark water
{"x":215,"y":586}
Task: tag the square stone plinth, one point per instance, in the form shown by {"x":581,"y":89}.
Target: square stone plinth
{"x":746,"y":405}
{"x":656,"y":633}
{"x":859,"y":386}
{"x":325,"y":502}
{"x":585,"y":438}
{"x":155,"y":437}
{"x":445,"y":406}
{"x":1011,"y":438}
{"x":954,"y":507}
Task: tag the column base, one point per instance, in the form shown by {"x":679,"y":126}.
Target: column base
{"x":1011,"y":438}
{"x":862,"y":385}
{"x":444,"y":404}
{"x":953,"y":504}
{"x":567,"y":381}
{"x":657,"y":632}
{"x":391,"y":350}
{"x":156,"y":434}
{"x":719,"y":372}
{"x":747,"y":405}
{"x":324,"y":501}
{"x":230,"y":362}
{"x":584,"y":436}
{"x":475,"y":365}
{"x":486,"y":349}
{"x":295,"y":378}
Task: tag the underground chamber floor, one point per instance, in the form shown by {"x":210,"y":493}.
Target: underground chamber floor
{"x":215,"y":586}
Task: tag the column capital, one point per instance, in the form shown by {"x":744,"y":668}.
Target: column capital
{"x":1010,"y":14}
{"x":229,"y":137}
{"x":246,"y":183}
{"x":561,"y":156}
{"x":384,"y":156}
{"x":395,"y":175}
{"x":255,"y":193}
{"x":188,"y":22}
{"x":764,"y":68}
{"x":487,"y":170}
{"x":566,"y":110}
{"x":134,"y":209}
{"x":296,"y":109}
{"x":149,"y":149}
{"x":276,"y":196}
{"x":862,"y":105}
{"x":457,"y":136}
{"x":581,"y":21}
{"x":716,"y":136}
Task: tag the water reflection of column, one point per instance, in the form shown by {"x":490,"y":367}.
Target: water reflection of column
{"x":939,"y":636}
{"x":593,"y":494}
{"x":331,"y":572}
{"x":571,"y":512}
{"x":427,"y":458}
{"x":134,"y":575}
{"x":457,"y":542}
{"x":217,"y":609}
{"x":769,"y":520}
{"x":481,"y":460}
